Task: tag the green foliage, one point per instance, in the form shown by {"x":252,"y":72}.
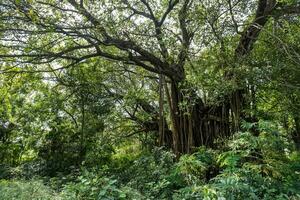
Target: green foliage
{"x":26,"y":190}
{"x":88,"y":128}
{"x":198,"y":167}
{"x":154,"y":174}
{"x":60,"y":149}
{"x":247,"y":167}
{"x":91,"y":185}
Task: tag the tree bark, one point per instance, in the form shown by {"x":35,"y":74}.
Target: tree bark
{"x":195,"y":124}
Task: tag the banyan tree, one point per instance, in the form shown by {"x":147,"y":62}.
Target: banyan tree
{"x":160,"y":36}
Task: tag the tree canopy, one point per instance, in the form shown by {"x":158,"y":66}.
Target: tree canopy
{"x":114,"y":84}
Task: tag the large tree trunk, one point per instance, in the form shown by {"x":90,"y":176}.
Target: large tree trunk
{"x":193,"y":123}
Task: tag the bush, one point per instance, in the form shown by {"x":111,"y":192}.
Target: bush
{"x":250,"y":167}
{"x":154,"y":174}
{"x":91,"y":185}
{"x":25,"y":190}
{"x":198,"y":167}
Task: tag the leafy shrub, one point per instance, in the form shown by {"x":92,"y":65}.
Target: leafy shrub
{"x":154,"y":174}
{"x":250,"y":167}
{"x":91,"y":185}
{"x":25,"y":190}
{"x":198,"y":167}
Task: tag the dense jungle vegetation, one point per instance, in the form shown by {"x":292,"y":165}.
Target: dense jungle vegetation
{"x":150,"y":99}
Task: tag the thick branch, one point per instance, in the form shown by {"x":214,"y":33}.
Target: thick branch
{"x":125,"y":45}
{"x":186,"y":36}
{"x":251,"y":33}
{"x":265,"y":9}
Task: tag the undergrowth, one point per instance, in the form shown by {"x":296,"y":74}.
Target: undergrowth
{"x":246,"y":167}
